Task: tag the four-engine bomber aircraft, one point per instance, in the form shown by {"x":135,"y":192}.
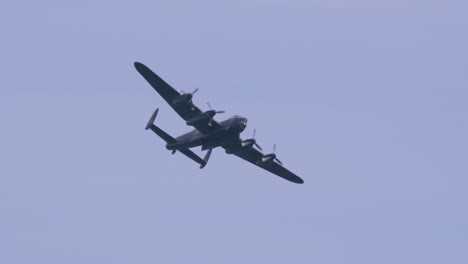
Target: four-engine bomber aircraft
{"x":208,"y":132}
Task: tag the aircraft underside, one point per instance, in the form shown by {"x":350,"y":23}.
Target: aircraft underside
{"x":208,"y":132}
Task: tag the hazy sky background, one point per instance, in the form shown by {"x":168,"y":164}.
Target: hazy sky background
{"x":367,"y":101}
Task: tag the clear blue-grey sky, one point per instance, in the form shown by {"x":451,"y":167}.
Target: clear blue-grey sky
{"x":367,"y":101}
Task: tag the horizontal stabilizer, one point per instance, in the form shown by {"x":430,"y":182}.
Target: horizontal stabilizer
{"x":151,"y":120}
{"x":170,"y":140}
{"x":207,"y":157}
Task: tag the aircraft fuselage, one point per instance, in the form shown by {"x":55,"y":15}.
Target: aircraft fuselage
{"x":230,"y":130}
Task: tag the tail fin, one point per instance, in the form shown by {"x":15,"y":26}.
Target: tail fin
{"x":157,"y":130}
{"x":169,"y":139}
{"x":152,"y":118}
{"x":205,"y":160}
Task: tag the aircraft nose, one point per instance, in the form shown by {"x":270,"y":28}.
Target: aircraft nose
{"x":244,"y":123}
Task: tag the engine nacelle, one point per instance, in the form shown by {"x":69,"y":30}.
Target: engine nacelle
{"x":244,"y":145}
{"x":203,"y":117}
{"x":247,"y":144}
{"x":266,"y":159}
{"x":183,"y":99}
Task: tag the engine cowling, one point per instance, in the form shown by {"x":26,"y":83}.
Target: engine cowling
{"x":248,"y":143}
{"x":267,"y":158}
{"x":203,"y":117}
{"x":183,"y":99}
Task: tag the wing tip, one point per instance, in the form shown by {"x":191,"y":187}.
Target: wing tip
{"x":298,"y":180}
{"x":138,"y":65}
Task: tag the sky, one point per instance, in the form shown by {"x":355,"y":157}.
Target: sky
{"x":366,"y":101}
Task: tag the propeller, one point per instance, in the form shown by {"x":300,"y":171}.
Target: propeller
{"x":254,"y":141}
{"x":196,"y":90}
{"x":186,"y":98}
{"x":216,"y":112}
{"x":270,"y":157}
{"x":274,"y":155}
{"x":192,"y":93}
{"x":213,"y":113}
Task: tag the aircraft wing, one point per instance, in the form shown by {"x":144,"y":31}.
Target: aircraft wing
{"x":170,"y":94}
{"x":253,"y":156}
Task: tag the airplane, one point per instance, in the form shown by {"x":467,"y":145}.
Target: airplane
{"x":209,"y":133}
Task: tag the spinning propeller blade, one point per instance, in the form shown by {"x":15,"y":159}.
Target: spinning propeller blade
{"x":192,"y":93}
{"x":217,"y":112}
{"x":274,"y":150}
{"x":255,"y":142}
{"x":213,"y":113}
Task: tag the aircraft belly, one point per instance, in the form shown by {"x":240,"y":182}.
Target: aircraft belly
{"x":218,"y":142}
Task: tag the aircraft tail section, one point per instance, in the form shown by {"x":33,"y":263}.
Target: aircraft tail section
{"x":170,"y":140}
{"x":157,"y":130}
